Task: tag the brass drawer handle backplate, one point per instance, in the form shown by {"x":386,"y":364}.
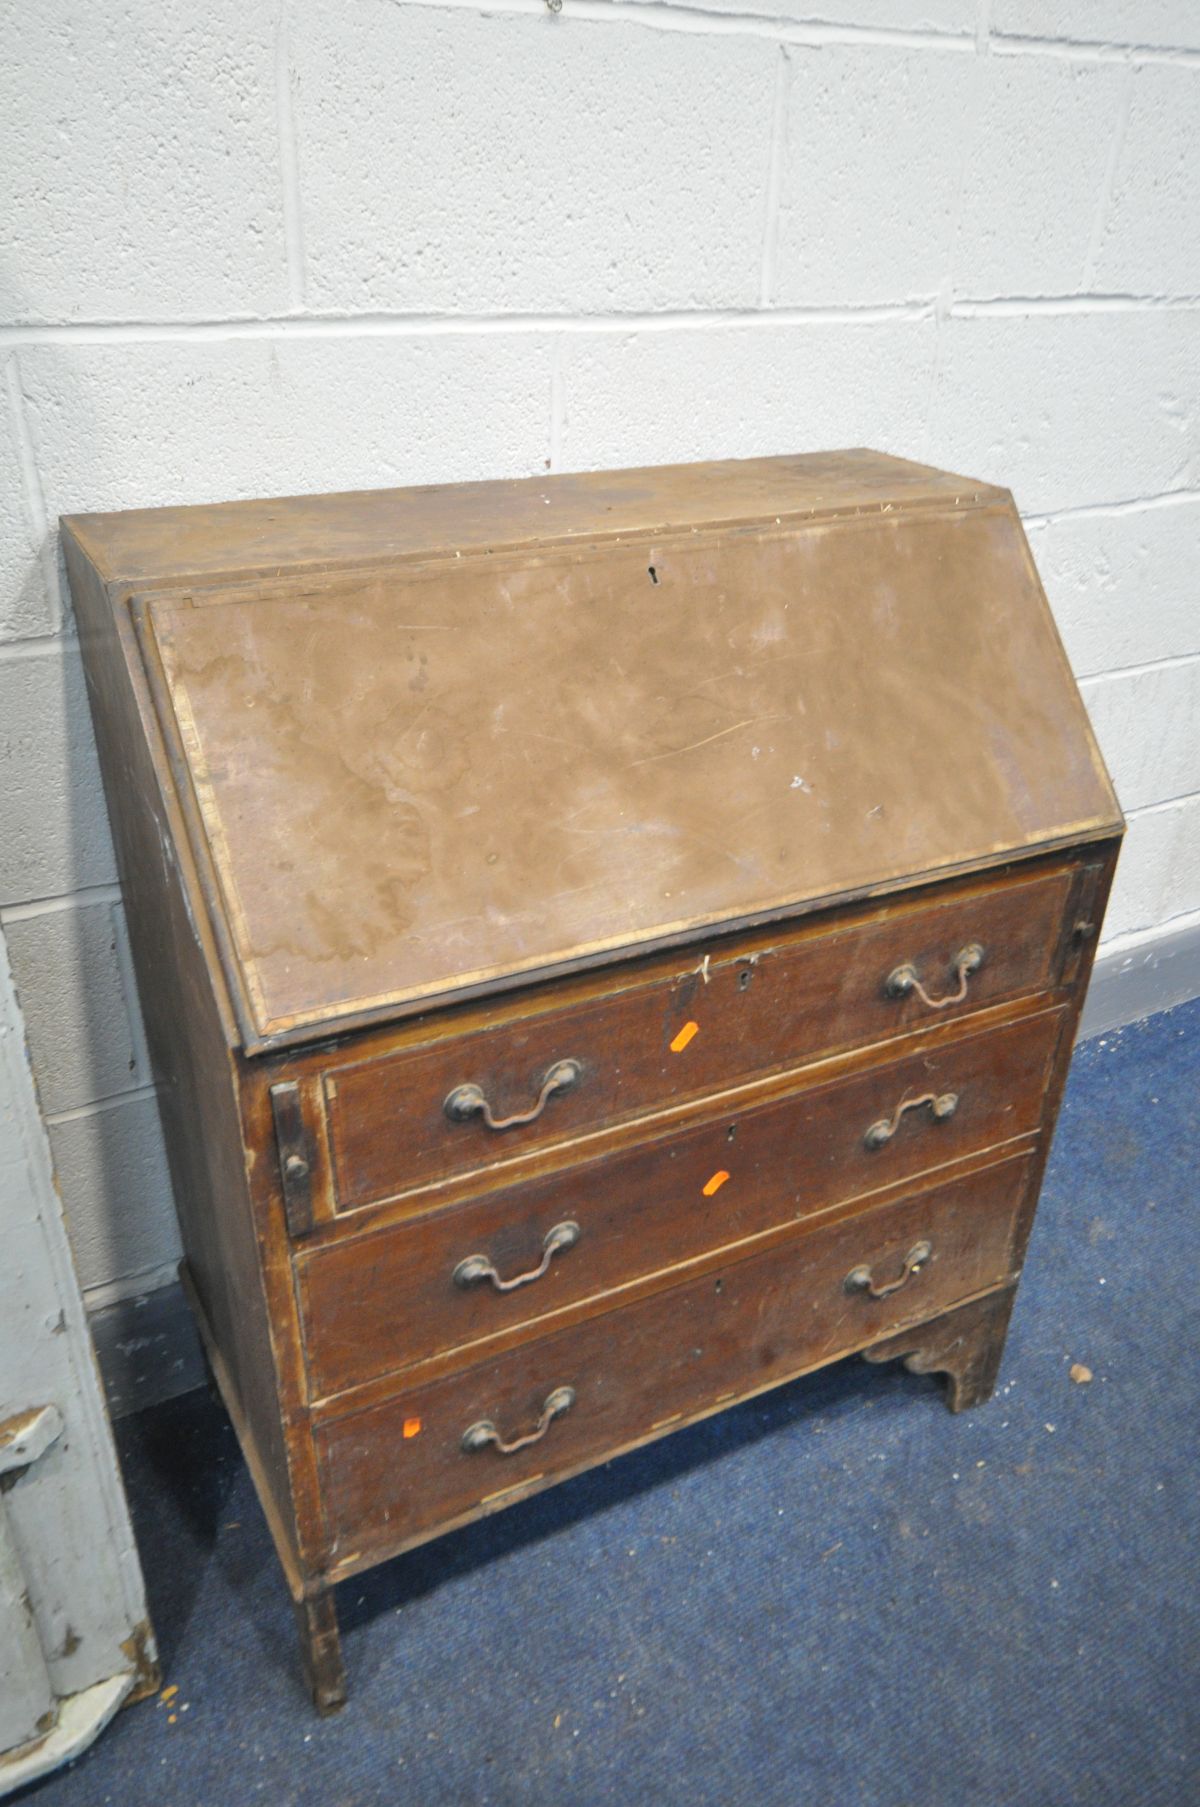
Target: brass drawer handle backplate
{"x":940,"y":1104}
{"x":859,"y":1280}
{"x":477,"y":1267}
{"x":467,"y":1101}
{"x":479,"y":1435}
{"x":903,"y":979}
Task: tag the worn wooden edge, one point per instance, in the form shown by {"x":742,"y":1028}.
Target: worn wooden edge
{"x":288,"y":1350}
{"x":281,"y":582}
{"x":201,"y":867}
{"x":265,"y":1037}
{"x":646,"y":968}
{"x":393,"y":1383}
{"x":401,"y":1007}
{"x":83,"y":578}
{"x":95,"y":534}
{"x":357,"y":1561}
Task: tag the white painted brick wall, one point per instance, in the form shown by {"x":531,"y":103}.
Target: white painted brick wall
{"x":188,"y":421}
{"x":659,"y":394}
{"x":71,"y":965}
{"x":112,"y":1173}
{"x":28,"y":600}
{"x":291,"y":245}
{"x":1149,"y":242}
{"x":1146,"y":723}
{"x":1071,"y":409}
{"x":140,"y":175}
{"x":1123,"y":583}
{"x":962,"y":170}
{"x":515,"y":168}
{"x":53,"y":830}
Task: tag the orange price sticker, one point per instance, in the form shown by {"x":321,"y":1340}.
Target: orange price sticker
{"x":716,"y":1182}
{"x":412,"y":1427}
{"x":684,"y":1037}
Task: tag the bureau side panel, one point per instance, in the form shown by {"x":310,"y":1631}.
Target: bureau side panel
{"x":188,"y":1030}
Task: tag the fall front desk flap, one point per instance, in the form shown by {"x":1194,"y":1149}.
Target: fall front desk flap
{"x":432,"y":776}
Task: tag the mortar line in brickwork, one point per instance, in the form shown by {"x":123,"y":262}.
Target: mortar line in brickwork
{"x":1018,"y":306}
{"x":701,"y":21}
{"x":941,"y":314}
{"x":1183,"y":801}
{"x":140,"y":1068}
{"x":112,"y":1101}
{"x":130,"y":1286}
{"x":1112,"y":672}
{"x":36,"y":517}
{"x":84,"y":898}
{"x":36,"y":646}
{"x":1085,"y":50}
{"x":1136,"y":941}
{"x":389,"y":325}
{"x":385,"y":325}
{"x":557,"y":405}
{"x":289,"y":161}
{"x":1171,"y":498}
{"x":1112,"y":165}
{"x":775,"y":160}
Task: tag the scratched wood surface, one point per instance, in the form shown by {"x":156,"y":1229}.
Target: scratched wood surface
{"x":376,"y":1303}
{"x":447,"y":777}
{"x":394,"y":1471}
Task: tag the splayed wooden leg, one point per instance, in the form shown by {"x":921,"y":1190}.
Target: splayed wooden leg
{"x":321,"y":1651}
{"x":966,"y":1345}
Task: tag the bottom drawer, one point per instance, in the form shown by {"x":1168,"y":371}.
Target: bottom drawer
{"x":399,"y":1471}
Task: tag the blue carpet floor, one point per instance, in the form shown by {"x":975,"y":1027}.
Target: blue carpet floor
{"x":839,"y":1595}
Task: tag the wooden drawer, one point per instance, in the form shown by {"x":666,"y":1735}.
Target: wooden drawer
{"x":373,"y":1303}
{"x":754,"y":1006}
{"x":398,"y":1470}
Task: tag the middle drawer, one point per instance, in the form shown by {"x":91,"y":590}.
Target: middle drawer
{"x":379,"y":1301}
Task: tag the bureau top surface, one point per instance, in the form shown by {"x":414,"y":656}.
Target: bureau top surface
{"x":429,"y":750}
{"x":156,"y":546}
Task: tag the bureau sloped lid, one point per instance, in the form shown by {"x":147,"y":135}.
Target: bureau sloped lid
{"x":434,"y":780}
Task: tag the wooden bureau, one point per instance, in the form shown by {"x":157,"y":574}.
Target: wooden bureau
{"x":608,"y":945}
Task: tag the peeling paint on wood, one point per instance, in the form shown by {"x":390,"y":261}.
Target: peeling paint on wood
{"x":74,"y":1636}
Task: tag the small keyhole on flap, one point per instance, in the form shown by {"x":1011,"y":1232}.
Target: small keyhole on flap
{"x":653,"y":574}
{"x":717,"y":1287}
{"x":744,"y":978}
{"x":731,"y":1132}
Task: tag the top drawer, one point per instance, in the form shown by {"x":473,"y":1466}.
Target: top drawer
{"x":548,"y":1072}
